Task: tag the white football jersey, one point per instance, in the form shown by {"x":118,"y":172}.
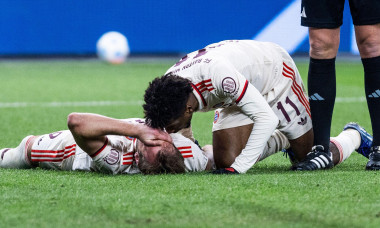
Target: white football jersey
{"x":246,"y":73}
{"x":59,"y":151}
{"x":220,"y":72}
{"x":194,"y":158}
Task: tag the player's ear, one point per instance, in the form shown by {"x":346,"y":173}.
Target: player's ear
{"x":137,"y":158}
{"x":189,"y":109}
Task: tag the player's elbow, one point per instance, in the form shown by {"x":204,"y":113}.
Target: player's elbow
{"x":74,"y":122}
{"x":273,"y":120}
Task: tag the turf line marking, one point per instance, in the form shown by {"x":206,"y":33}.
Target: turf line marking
{"x":69,"y":104}
{"x":122,"y":103}
{"x":350,"y":100}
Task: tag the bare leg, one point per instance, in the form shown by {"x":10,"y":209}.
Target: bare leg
{"x":302,"y":145}
{"x":228,"y":144}
{"x":231,"y":142}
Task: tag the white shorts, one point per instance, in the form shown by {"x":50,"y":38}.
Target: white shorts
{"x":288,"y":100}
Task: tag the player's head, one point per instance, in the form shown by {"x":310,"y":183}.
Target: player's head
{"x":165,"y":101}
{"x":159,"y":159}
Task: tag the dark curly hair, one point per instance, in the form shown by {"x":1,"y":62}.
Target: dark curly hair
{"x":165,"y":99}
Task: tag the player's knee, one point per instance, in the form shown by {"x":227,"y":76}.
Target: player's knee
{"x":369,"y":47}
{"x":73,"y":121}
{"x":323,"y":48}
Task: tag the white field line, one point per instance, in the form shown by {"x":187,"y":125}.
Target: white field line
{"x":69,"y":104}
{"x":350,"y":100}
{"x":121,"y":103}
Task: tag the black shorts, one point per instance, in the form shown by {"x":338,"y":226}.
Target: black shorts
{"x":329,"y":13}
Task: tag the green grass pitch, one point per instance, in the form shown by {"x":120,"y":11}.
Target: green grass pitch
{"x":37,"y":96}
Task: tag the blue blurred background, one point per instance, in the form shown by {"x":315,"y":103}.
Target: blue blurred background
{"x":72,"y":27}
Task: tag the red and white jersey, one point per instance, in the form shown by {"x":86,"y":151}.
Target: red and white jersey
{"x":249,"y":74}
{"x":194,"y":157}
{"x":220,"y":72}
{"x":59,"y":151}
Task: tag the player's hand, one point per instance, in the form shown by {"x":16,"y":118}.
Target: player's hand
{"x":229,"y":170}
{"x":153,"y":137}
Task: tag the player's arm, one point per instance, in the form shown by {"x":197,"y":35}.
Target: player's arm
{"x":265,"y":121}
{"x":208,"y":151}
{"x":232,"y":84}
{"x":90,"y":130}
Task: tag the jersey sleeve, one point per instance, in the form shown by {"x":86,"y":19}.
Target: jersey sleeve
{"x":194,"y":158}
{"x":230,"y":83}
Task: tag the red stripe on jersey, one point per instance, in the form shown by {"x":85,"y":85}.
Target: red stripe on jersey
{"x":292,"y":74}
{"x":101,"y":149}
{"x":47,"y":151}
{"x":69,"y":155}
{"x":68,"y":147}
{"x":68,"y":151}
{"x":46,"y":160}
{"x":202,"y":82}
{"x":306,"y":106}
{"x":128,"y":154}
{"x":202,"y":90}
{"x":298,"y":87}
{"x":53,"y":151}
{"x":299,"y":93}
{"x":205,"y":88}
{"x":186,"y":151}
{"x":127,"y":163}
{"x":288,"y":70}
{"x":127,"y":158}
{"x":204,"y":85}
{"x":59,"y":156}
{"x":184,"y":147}
{"x":242,"y":93}
{"x":28,"y":141}
{"x":200,"y":94}
{"x":187,"y":156}
{"x":289,"y":73}
{"x":53,"y":157}
{"x":288,"y":67}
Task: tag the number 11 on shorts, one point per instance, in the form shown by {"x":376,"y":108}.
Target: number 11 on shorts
{"x":282,"y":109}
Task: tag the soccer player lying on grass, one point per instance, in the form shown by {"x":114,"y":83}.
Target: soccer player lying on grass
{"x":252,"y":82}
{"x":107,"y":145}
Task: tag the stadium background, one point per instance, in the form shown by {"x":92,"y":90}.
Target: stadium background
{"x":72,"y":27}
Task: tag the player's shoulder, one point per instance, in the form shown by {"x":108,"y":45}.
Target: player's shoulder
{"x":194,"y":158}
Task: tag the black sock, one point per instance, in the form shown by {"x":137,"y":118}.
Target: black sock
{"x":322,"y":92}
{"x":372,"y":92}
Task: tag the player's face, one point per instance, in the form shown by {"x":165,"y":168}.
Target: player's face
{"x":183,"y":121}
